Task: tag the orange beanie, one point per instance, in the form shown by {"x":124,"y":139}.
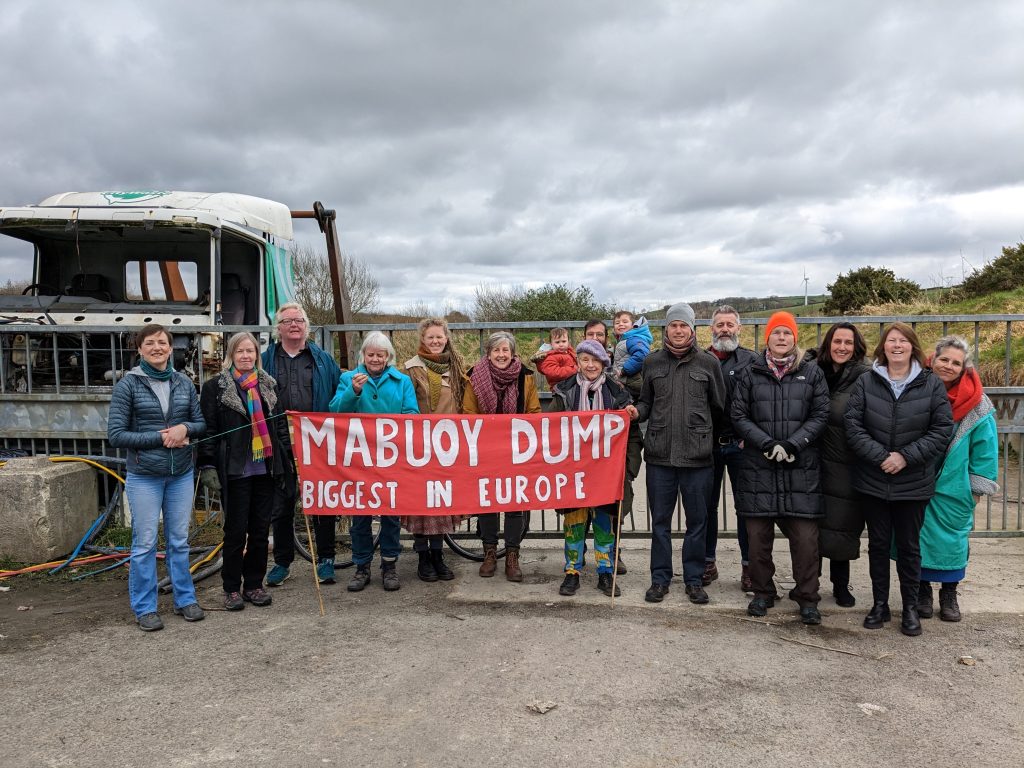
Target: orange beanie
{"x":783,"y":319}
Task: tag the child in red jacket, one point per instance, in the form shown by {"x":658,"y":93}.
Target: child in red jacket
{"x":557,"y":360}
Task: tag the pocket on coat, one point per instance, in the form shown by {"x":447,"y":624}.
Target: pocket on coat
{"x":697,"y":384}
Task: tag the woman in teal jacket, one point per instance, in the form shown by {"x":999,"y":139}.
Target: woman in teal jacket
{"x":969,"y":471}
{"x":375,"y":386}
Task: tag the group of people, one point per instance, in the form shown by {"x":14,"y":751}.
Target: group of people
{"x":817,"y":444}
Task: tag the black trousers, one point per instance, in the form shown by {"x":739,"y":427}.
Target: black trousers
{"x":246,"y":531}
{"x":515,"y":524}
{"x":899,"y":523}
{"x":282,"y":518}
{"x":803,"y":551}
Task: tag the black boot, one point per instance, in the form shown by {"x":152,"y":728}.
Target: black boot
{"x":949,"y":610}
{"x":425,"y":570}
{"x":925,"y":600}
{"x":844,"y":598}
{"x":440,"y":566}
{"x":604,"y":583}
{"x":877,"y":616}
{"x":911,"y":623}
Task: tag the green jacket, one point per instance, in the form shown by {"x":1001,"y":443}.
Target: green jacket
{"x":970,"y":468}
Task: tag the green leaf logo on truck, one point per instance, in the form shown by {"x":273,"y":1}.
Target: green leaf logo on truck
{"x":133,"y":197}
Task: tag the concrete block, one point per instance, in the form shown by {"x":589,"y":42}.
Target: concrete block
{"x":45,"y":507}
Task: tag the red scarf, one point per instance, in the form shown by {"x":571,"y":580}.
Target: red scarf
{"x":965,"y":393}
{"x":496,"y":390}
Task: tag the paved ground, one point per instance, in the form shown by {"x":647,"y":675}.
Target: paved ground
{"x":442,"y":675}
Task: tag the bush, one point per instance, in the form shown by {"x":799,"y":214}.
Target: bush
{"x":868,"y":285}
{"x":549,"y":302}
{"x":1003,"y":273}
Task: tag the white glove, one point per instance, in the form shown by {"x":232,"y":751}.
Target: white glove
{"x":777,"y":453}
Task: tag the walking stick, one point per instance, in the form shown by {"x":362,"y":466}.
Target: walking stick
{"x":312,"y":554}
{"x":618,"y":533}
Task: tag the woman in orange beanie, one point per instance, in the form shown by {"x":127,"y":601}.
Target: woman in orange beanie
{"x":779,"y":409}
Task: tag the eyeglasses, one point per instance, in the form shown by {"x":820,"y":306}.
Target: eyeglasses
{"x":291,"y":321}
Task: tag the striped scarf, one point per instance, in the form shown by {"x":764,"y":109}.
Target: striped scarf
{"x":779,"y":365}
{"x":450,"y":362}
{"x":261,"y":445}
{"x":590,"y":389}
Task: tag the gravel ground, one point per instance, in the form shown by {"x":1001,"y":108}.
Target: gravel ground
{"x":442,"y":675}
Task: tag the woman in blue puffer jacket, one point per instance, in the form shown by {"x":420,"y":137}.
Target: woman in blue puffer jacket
{"x":154,"y":412}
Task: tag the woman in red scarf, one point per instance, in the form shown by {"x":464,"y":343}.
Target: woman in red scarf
{"x":247,"y":452}
{"x":969,"y":471}
{"x":500,"y":383}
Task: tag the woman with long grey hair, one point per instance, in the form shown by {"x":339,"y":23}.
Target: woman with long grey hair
{"x":969,"y":471}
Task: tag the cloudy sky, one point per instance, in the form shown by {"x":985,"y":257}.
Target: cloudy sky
{"x":653,"y":151}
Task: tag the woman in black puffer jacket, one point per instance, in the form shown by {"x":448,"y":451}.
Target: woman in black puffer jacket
{"x":779,"y":409}
{"x":841,"y":359}
{"x":898,"y":423}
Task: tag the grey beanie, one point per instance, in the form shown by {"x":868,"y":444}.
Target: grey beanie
{"x":682,"y":312}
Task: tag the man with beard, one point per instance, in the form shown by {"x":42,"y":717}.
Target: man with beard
{"x":725,"y":345}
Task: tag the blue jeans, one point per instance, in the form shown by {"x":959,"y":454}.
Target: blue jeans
{"x":361,"y":532}
{"x":148,"y":495}
{"x":725,"y":456}
{"x":664,"y":484}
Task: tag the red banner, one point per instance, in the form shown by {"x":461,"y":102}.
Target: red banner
{"x":458,"y":465}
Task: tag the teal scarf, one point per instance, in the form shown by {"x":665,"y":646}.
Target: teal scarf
{"x":153,"y":373}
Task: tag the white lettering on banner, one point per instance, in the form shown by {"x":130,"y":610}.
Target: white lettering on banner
{"x":580,"y":434}
{"x":445,"y":456}
{"x":472,"y":432}
{"x":349,"y":494}
{"x":325,"y":434}
{"x":613,"y":425}
{"x":575,"y":431}
{"x":410,"y":456}
{"x":518,"y":490}
{"x":523,"y":429}
{"x":545,"y":441}
{"x":387,"y":451}
{"x":439,"y":493}
{"x":356,"y":443}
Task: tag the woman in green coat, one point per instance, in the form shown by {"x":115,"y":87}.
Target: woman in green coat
{"x":969,"y":471}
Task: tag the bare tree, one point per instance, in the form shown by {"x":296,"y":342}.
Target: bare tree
{"x":13,"y":287}
{"x":313,"y":284}
{"x":494,"y":302}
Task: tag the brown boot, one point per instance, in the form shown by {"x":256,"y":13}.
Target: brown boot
{"x":490,"y":563}
{"x":512,"y":570}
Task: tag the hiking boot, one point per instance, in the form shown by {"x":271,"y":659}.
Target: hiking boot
{"x":360,"y":578}
{"x":656,"y":593}
{"x":710,"y":573}
{"x":809,"y":614}
{"x":844,"y":598}
{"x":191,"y":612}
{"x":759,"y":606}
{"x":569,"y":585}
{"x":490,"y":564}
{"x":150,"y":622}
{"x":325,"y":570}
{"x":745,"y":583}
{"x":425,"y":569}
{"x":277,"y":575}
{"x":389,"y":575}
{"x":233,"y":601}
{"x":620,"y":567}
{"x":444,"y":573}
{"x":911,"y":622}
{"x":604,"y":583}
{"x":697,"y":594}
{"x":925,"y":600}
{"x":258,"y":597}
{"x":512,"y":570}
{"x":949,"y":609}
{"x":877,"y":616}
